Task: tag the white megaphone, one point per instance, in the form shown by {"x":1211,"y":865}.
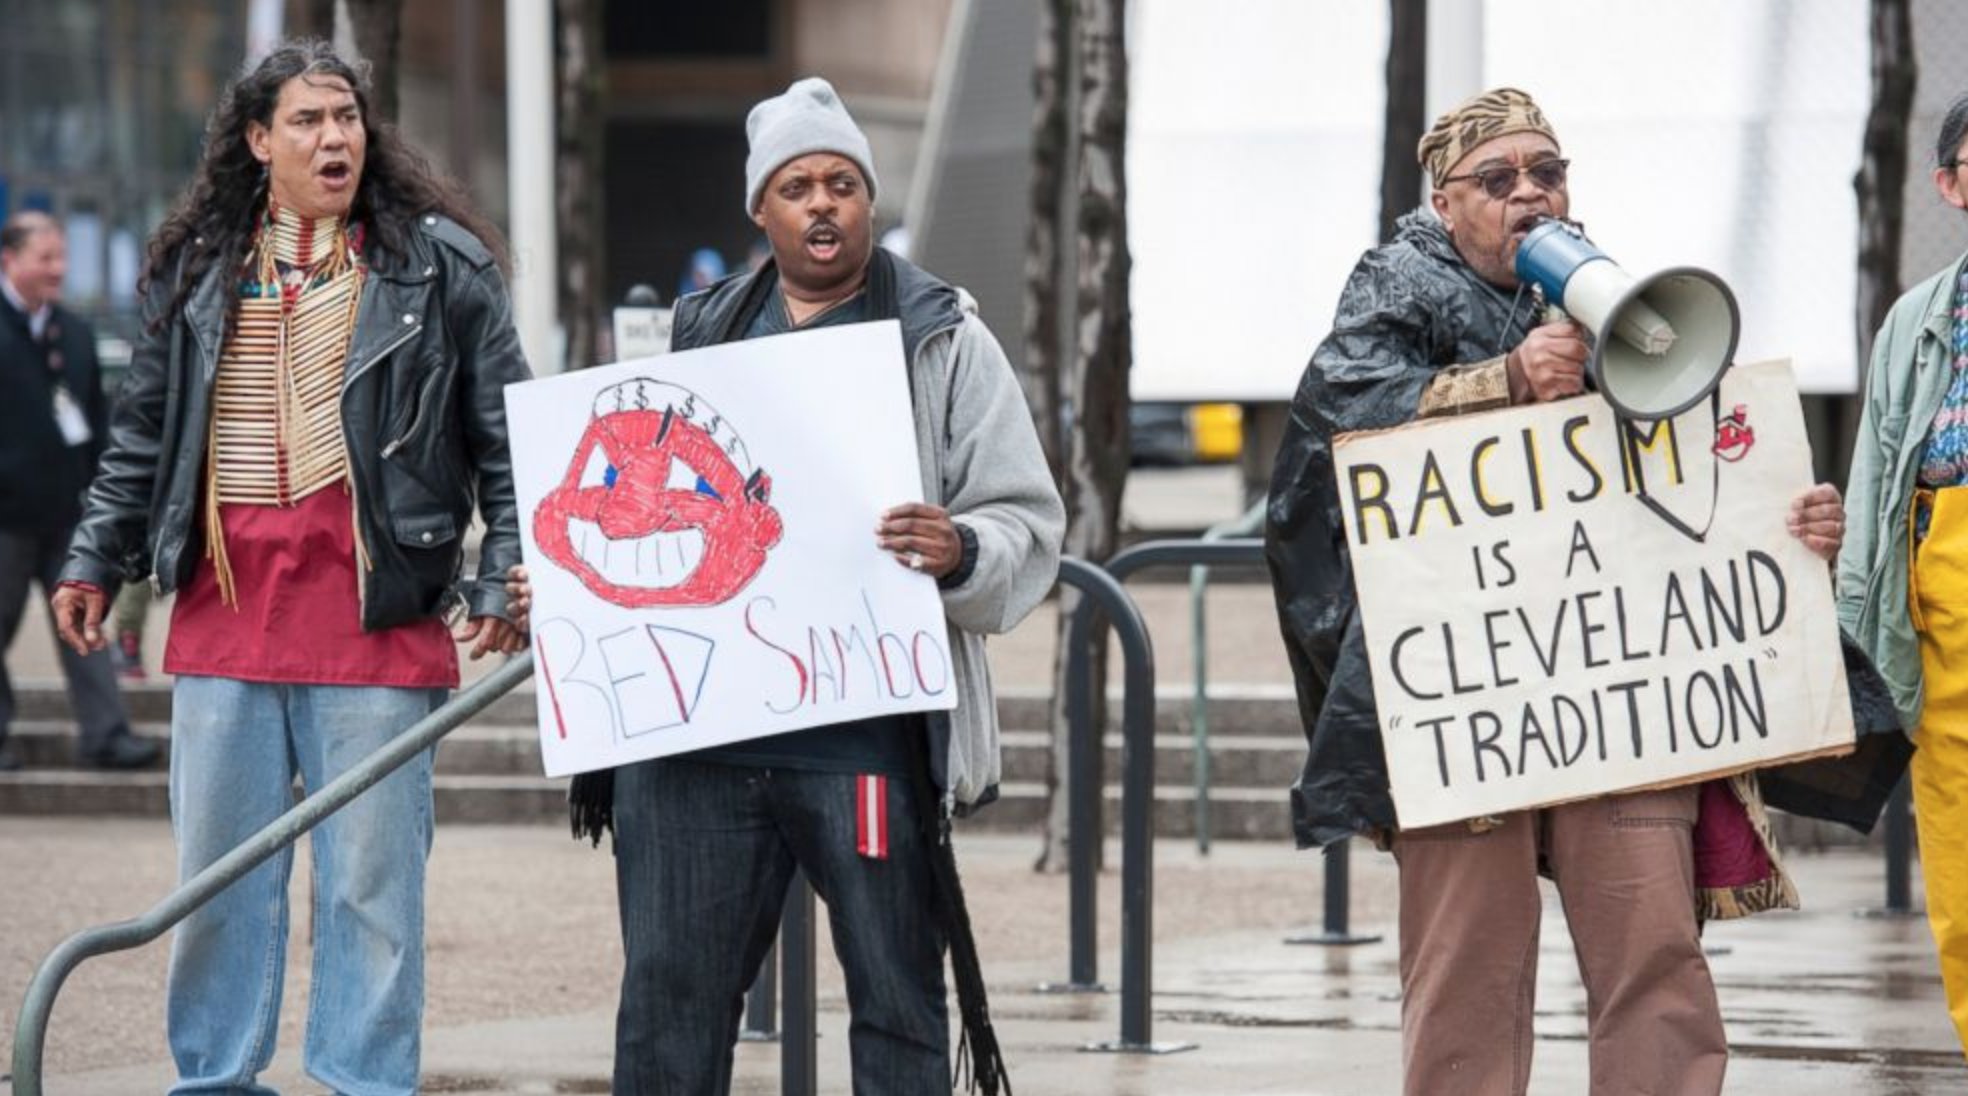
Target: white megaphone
{"x":1660,"y":343}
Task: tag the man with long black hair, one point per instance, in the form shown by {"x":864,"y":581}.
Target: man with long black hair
{"x":311,"y":413}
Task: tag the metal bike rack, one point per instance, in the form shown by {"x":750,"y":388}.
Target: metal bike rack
{"x":761,"y":1023}
{"x":1103,"y":590}
{"x":1250,"y":521}
{"x":1249,"y":552}
{"x":1899,"y":856}
{"x":799,"y":1065}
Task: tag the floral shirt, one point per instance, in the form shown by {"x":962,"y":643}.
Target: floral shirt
{"x":1944,"y":463}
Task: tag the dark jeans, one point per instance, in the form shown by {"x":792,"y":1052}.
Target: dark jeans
{"x":703,"y":859}
{"x":36,"y":558}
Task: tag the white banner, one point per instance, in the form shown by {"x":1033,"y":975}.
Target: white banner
{"x":700,"y":532}
{"x":1537,"y":634}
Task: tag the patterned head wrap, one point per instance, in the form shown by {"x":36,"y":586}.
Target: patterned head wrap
{"x":1485,"y":117}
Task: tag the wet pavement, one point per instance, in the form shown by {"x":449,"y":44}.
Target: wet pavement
{"x":524,"y":953}
{"x":523,"y":957}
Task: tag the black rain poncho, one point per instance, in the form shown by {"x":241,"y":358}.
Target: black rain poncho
{"x":1412,"y":309}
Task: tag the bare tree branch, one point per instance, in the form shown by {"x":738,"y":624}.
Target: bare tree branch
{"x":1881,"y":182}
{"x":1406,"y":117}
{"x":578,"y":139}
{"x":1094,"y":382}
{"x":378,"y":29}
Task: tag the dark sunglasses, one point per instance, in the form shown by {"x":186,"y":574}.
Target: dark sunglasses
{"x":1498,"y":182}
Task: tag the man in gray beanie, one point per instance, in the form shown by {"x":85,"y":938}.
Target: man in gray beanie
{"x":707,"y":842}
{"x":808,"y":118}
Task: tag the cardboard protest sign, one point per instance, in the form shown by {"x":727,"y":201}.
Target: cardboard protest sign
{"x":1538,"y":634}
{"x":700,"y":532}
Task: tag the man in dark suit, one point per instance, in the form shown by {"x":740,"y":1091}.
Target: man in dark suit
{"x":52,"y":422}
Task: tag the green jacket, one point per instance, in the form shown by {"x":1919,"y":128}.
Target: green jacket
{"x":1908,"y":376}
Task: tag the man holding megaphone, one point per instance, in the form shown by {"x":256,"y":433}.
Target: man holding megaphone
{"x":1437,"y":322}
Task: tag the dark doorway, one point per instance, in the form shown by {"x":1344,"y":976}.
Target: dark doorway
{"x":674,"y":187}
{"x":658,"y":30}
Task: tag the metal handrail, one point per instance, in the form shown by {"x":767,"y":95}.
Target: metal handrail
{"x":1243,"y":525}
{"x":1249,"y":552}
{"x":1083,"y":776}
{"x":1137,"y":796}
{"x":31,"y":1030}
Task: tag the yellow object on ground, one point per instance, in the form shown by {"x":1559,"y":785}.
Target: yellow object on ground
{"x":1216,"y":431}
{"x":1939,"y":601}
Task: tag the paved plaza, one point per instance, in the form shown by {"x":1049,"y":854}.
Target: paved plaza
{"x":524,"y":950}
{"x":524,"y":953}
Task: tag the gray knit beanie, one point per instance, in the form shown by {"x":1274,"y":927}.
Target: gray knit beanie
{"x":808,"y":118}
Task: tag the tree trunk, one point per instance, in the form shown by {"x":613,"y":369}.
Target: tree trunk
{"x":1881,"y":182}
{"x":377,"y":27}
{"x":1406,"y":117}
{"x":1049,"y":274}
{"x":318,"y":18}
{"x":1094,"y":381}
{"x":577,"y":174}
{"x":1046,"y":263}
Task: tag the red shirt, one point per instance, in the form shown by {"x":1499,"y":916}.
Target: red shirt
{"x":298,"y":621}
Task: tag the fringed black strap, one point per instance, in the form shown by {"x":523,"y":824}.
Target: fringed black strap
{"x":591,"y":804}
{"x":1630,"y":454}
{"x":979,"y":1065}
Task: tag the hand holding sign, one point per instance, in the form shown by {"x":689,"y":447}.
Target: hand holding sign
{"x":519,"y":598}
{"x":1537,"y":635}
{"x":1817,"y":517}
{"x":922,"y":537}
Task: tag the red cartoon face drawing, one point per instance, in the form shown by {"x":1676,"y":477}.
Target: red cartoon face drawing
{"x":1733,"y":435}
{"x":661,"y":504}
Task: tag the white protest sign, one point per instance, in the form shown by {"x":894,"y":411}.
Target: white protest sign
{"x":1537,"y":634}
{"x":700,"y":533}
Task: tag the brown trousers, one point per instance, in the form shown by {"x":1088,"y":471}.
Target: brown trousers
{"x":1470,"y":908}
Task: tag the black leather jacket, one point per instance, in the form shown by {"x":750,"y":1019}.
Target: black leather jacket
{"x":423,"y":414}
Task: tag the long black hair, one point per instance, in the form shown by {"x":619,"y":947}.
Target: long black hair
{"x":215,"y":218}
{"x":1954,"y":127}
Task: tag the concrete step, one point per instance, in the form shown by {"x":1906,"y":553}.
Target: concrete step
{"x":490,"y":772}
{"x":1236,"y":814}
{"x":1234,"y":760}
{"x":496,"y":749}
{"x":150,"y":702}
{"x":1263,"y":710}
{"x":466,"y":800}
{"x":459,"y":799}
{"x":493,"y":749}
{"x":51,"y":744}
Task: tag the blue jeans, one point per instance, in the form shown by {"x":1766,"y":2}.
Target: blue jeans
{"x":704,"y":854}
{"x":235,"y":747}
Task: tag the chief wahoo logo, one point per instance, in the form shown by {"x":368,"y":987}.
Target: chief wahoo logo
{"x":661,"y":504}
{"x":1734,"y":437}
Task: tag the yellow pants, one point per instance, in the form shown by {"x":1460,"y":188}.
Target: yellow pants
{"x":1939,"y":603}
